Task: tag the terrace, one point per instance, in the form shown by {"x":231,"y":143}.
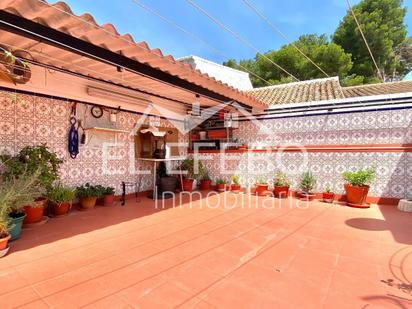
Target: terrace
{"x":197,"y":257}
{"x":266,"y":221}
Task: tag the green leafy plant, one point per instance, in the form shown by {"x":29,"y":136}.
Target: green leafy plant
{"x":236,"y":179}
{"x":188,"y":165}
{"x":220,"y":181}
{"x":261,"y":180}
{"x":89,"y":191}
{"x":361,"y":177}
{"x":307,"y":182}
{"x":328,"y":189}
{"x":281,"y":179}
{"x":109,"y":191}
{"x":205,"y":175}
{"x":15,"y":193}
{"x":59,"y":194}
{"x":31,"y":159}
{"x":104,"y":190}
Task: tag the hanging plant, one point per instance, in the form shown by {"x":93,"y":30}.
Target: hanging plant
{"x":16,"y":65}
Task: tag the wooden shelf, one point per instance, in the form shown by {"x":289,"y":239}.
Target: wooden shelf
{"x":110,"y":130}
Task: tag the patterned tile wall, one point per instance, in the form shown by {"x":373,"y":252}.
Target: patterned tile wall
{"x":394,"y":170}
{"x":32,"y":120}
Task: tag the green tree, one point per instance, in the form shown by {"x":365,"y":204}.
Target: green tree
{"x":382,"y":22}
{"x":328,"y":56}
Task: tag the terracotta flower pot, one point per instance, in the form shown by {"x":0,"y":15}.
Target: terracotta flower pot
{"x":205,"y":184}
{"x":108,"y":199}
{"x":305,"y":196}
{"x":356,"y":196}
{"x":4,"y":242}
{"x":88,"y":202}
{"x":34,"y":213}
{"x":328,"y":197}
{"x":261,"y":188}
{"x":220,"y":187}
{"x":187,"y":184}
{"x":234,"y":187}
{"x":281,"y":191}
{"x":59,"y":209}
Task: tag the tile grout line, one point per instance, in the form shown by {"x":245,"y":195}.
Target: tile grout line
{"x":160,"y":252}
{"x":112,"y":255}
{"x":252,"y":258}
{"x":197,"y":255}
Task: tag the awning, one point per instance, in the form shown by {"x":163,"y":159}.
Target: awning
{"x":58,"y":38}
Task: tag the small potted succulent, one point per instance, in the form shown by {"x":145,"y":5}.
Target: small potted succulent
{"x":205,"y":181}
{"x":307,"y":184}
{"x":235,"y":186}
{"x":108,"y":196}
{"x":220,"y":184}
{"x":357,"y":186}
{"x":281,"y":185}
{"x":60,"y":198}
{"x":328,"y":195}
{"x":88,"y":195}
{"x":261,"y":186}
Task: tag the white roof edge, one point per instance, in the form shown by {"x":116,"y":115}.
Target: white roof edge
{"x":213,"y":63}
{"x":335,"y":78}
{"x":345,"y":100}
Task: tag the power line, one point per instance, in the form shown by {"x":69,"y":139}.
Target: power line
{"x":123,"y":39}
{"x":258,"y":13}
{"x":238,"y":37}
{"x":191,"y":34}
{"x":364,"y":39}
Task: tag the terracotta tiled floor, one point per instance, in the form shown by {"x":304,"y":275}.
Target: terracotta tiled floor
{"x":323,"y":256}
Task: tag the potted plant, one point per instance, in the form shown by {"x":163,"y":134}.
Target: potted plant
{"x":188,"y":166}
{"x":4,"y":230}
{"x":18,"y":192}
{"x":307,"y":184}
{"x":108,"y":196}
{"x":235,"y":186}
{"x":281,"y":185}
{"x":205,"y":181}
{"x":261,"y":186}
{"x":328,"y":195}
{"x":31,"y":159}
{"x":357,"y":186}
{"x":88,"y":195}
{"x":60,"y":199}
{"x":220,"y":184}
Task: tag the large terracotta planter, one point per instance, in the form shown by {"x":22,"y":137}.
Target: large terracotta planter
{"x":187,"y":184}
{"x":4,"y":242}
{"x":261,"y":188}
{"x":34,"y":213}
{"x":16,"y":222}
{"x":108,"y":199}
{"x":59,"y":209}
{"x":281,"y":191}
{"x":205,"y":184}
{"x":234,"y":187}
{"x":221,"y":187}
{"x":356,"y":196}
{"x":88,"y":202}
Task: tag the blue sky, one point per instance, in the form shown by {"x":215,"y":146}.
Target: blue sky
{"x":293,"y":17}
